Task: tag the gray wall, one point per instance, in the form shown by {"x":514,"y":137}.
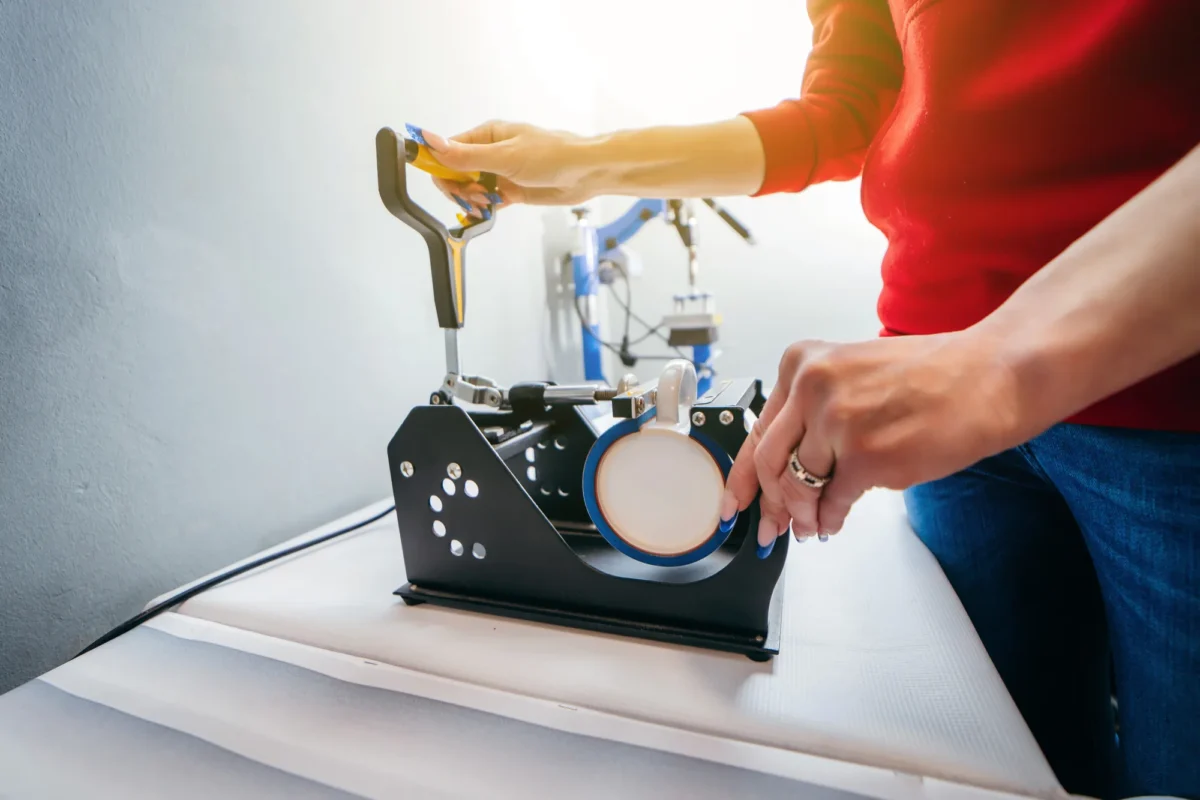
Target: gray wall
{"x":209,"y":326}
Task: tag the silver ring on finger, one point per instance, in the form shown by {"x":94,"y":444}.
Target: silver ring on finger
{"x":802,"y":474}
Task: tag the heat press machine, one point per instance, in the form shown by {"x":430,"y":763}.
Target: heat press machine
{"x":593,"y":506}
{"x":599,"y":253}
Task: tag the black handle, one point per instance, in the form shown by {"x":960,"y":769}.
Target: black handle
{"x":446,"y":246}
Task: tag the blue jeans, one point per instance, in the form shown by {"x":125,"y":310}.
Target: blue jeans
{"x":1077,"y":557}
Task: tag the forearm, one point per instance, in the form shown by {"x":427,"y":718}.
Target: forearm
{"x":720,"y":159}
{"x":1119,"y":305}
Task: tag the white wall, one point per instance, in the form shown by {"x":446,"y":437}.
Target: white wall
{"x":815,"y":270}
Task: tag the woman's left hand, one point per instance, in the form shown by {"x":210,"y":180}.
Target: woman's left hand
{"x":892,"y":412}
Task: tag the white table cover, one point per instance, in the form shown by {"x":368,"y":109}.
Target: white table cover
{"x":309,"y":676}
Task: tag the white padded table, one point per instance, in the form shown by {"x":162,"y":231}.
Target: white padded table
{"x":881,"y":689}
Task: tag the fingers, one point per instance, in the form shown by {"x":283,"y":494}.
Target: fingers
{"x":772,"y":453}
{"x":742,"y":483}
{"x":477,"y":194}
{"x":773,"y":522}
{"x":839,"y":496}
{"x":816,"y":456}
{"x":788,"y":425}
{"x":774,"y":518}
{"x":489,"y":132}
{"x":473,"y":198}
{"x":481,"y":149}
{"x":455,"y":192}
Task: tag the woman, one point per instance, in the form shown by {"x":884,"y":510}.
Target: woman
{"x":1036,"y":391}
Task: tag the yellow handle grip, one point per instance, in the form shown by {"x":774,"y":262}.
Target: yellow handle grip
{"x":419,"y":156}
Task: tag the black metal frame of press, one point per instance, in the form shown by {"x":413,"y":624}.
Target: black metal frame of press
{"x":522,"y":546}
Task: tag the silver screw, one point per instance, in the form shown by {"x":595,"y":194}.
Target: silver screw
{"x":436,"y":400}
{"x":454,"y":471}
{"x":726,"y":417}
{"x":406,"y":469}
{"x":758,"y":638}
{"x":698,"y":418}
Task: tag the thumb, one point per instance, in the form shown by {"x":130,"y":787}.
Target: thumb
{"x":468,"y":157}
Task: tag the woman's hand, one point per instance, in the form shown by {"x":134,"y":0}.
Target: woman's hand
{"x":543,"y":167}
{"x":532,"y":165}
{"x":892,"y":412}
{"x":1116,"y":307}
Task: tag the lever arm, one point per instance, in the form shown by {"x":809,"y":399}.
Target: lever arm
{"x":445,"y":246}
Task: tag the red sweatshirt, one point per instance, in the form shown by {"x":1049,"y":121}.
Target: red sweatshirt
{"x":989,"y":136}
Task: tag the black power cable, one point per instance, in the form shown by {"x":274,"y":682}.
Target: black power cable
{"x":651,"y":330}
{"x":189,"y":593}
{"x":621,"y":350}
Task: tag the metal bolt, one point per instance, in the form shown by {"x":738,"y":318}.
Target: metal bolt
{"x":406,"y":469}
{"x":412,"y":586}
{"x":454,"y":471}
{"x":698,"y":419}
{"x":758,"y":638}
{"x":436,"y":400}
{"x":726,"y":417}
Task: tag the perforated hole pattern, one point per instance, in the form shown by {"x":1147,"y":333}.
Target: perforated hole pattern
{"x":470,"y":489}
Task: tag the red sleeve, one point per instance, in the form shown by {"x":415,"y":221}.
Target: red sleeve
{"x":850,"y":84}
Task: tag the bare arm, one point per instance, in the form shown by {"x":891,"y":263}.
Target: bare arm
{"x":1119,"y":305}
{"x":851,"y":79}
{"x":850,"y":83}
{"x":720,"y":159}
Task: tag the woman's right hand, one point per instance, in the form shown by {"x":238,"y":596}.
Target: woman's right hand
{"x":532,"y":165}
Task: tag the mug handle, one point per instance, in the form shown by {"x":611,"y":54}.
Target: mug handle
{"x":676,"y":394}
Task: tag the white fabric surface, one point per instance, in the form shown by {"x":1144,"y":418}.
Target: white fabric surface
{"x":187,"y":709}
{"x":879,"y":664}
